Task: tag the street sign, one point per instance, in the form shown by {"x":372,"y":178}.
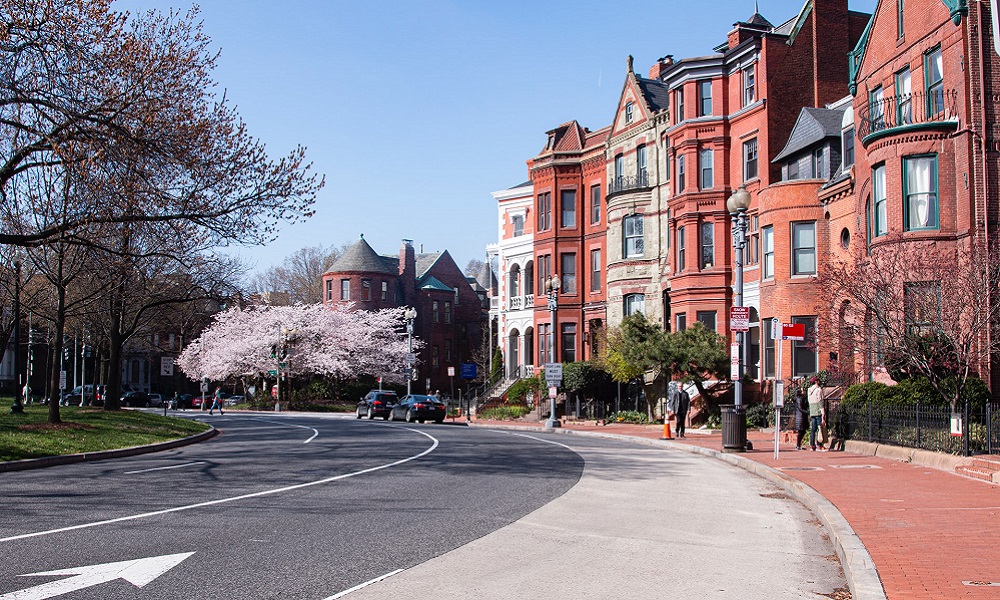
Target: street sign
{"x":468,"y":370}
{"x":775,"y":328}
{"x":451,"y":371}
{"x":166,"y":366}
{"x":739,"y":318}
{"x":553,"y":392}
{"x":779,"y":393}
{"x":793,"y":331}
{"x":734,"y":361}
{"x":553,"y":373}
{"x":272,"y":373}
{"x":62,"y":380}
{"x":204,"y":386}
{"x":411,"y":358}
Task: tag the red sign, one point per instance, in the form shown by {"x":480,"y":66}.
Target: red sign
{"x":793,"y":331}
{"x":739,"y":318}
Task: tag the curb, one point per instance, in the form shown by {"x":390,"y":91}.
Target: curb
{"x":51,"y":461}
{"x":859,"y":569}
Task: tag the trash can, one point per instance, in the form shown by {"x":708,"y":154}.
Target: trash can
{"x":734,"y":427}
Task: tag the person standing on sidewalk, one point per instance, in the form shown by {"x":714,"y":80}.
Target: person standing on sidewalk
{"x":679,"y":403}
{"x":217,"y":401}
{"x":801,"y":417}
{"x":816,"y":414}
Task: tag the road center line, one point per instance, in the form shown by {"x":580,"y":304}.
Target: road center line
{"x":315,"y":431}
{"x":289,"y":488}
{"x":363,"y":585}
{"x":190,"y":464}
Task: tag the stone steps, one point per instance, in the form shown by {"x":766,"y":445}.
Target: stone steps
{"x":981,"y":467}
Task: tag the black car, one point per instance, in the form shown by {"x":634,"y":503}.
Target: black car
{"x":376,"y":403}
{"x":417,"y":407}
{"x":135,"y":399}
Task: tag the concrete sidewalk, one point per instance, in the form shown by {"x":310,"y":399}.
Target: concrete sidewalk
{"x":929,"y":532}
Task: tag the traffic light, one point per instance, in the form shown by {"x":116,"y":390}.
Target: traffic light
{"x":274,"y":351}
{"x":66,"y":354}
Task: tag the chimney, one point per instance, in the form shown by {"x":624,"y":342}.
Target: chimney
{"x":661,"y":66}
{"x":408,"y":273}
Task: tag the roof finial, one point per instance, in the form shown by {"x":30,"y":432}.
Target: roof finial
{"x":630,"y":64}
{"x":756,"y":10}
{"x":362,"y":236}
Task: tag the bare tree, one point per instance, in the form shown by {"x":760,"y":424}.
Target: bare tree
{"x":925,"y":308}
{"x":300,"y":275}
{"x":474,"y":267}
{"x":85,"y":90}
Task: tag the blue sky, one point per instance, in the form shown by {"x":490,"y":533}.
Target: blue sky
{"x":416,"y":110}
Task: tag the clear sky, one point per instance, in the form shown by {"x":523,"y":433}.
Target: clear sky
{"x":415,"y":110}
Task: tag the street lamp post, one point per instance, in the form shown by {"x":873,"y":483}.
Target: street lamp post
{"x":552,"y":294}
{"x":18,"y":406}
{"x":410,"y":314}
{"x":738,"y":204}
{"x":734,"y":432}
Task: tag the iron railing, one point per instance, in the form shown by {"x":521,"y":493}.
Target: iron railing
{"x":908,"y":109}
{"x":924,"y":427}
{"x":625,"y":183}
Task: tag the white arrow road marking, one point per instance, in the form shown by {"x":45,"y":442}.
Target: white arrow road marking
{"x":138,"y":572}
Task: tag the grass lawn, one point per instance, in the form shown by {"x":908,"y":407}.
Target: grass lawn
{"x":83,"y":430}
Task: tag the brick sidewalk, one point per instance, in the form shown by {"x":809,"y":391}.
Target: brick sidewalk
{"x":930,"y":533}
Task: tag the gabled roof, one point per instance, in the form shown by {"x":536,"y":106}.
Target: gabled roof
{"x":812,"y":126}
{"x":656,"y":93}
{"x":424,"y":262}
{"x":360,"y":257}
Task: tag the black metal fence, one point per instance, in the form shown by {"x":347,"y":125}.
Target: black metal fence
{"x":976,"y":429}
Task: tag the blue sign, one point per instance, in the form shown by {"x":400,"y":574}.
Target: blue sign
{"x":468,"y":370}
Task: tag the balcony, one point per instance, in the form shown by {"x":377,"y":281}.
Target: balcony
{"x":937,"y":109}
{"x":519,"y":302}
{"x":622,"y":184}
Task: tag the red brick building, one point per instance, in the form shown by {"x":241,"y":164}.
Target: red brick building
{"x":449,"y":312}
{"x":568,"y":178}
{"x":925,"y":105}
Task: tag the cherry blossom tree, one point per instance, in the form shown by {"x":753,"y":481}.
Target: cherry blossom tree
{"x":332,"y":342}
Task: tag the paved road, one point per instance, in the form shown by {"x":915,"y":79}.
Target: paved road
{"x":291,"y":506}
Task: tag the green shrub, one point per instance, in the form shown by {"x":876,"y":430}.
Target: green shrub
{"x":759,"y":415}
{"x":628,"y":416}
{"x":517,"y":392}
{"x":504,"y":413}
{"x":860,"y":394}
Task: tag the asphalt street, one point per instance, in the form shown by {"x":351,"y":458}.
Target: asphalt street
{"x":316,"y":507}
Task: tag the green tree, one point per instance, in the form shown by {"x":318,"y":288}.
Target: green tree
{"x":696,"y":355}
{"x":635,"y":347}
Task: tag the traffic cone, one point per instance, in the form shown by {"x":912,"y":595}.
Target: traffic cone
{"x":666,"y":430}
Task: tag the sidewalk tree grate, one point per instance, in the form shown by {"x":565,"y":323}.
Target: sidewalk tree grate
{"x":855,"y":467}
{"x":800,"y":468}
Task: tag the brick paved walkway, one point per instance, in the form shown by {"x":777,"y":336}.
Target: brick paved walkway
{"x":930,"y":533}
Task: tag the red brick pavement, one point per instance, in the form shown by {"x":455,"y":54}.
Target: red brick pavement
{"x":928,"y":531}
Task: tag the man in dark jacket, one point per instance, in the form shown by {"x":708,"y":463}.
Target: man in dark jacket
{"x":801,"y":417}
{"x":679,"y":404}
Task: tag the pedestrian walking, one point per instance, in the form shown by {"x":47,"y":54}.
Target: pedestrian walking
{"x":801,"y":417}
{"x":679,"y":403}
{"x":817,"y":414}
{"x":217,"y":401}
{"x":175,"y":401}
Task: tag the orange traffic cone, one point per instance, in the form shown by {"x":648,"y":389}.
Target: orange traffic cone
{"x":666,"y":430}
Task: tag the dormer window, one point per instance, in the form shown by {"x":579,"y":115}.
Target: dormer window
{"x":628,"y":112}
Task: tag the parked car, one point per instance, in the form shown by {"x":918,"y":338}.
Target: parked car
{"x":376,"y":403}
{"x":234,"y":400}
{"x":417,"y":407}
{"x":75,"y":397}
{"x":155,"y":400}
{"x":135,"y":399}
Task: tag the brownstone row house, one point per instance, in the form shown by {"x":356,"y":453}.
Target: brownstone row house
{"x":842,"y":126}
